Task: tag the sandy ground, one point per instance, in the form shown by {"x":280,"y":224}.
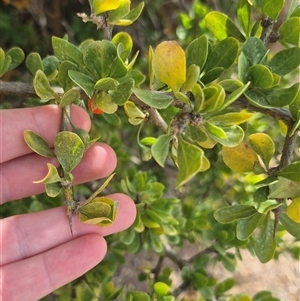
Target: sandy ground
{"x":281,"y":277}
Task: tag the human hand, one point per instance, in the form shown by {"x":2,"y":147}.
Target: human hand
{"x":38,"y":253}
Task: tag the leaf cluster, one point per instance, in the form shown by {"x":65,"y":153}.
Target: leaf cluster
{"x":206,"y":101}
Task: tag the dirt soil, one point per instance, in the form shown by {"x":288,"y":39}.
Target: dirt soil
{"x":281,"y":277}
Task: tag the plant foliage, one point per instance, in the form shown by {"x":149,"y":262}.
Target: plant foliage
{"x":210,"y":101}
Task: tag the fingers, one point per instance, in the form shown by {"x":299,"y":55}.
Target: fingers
{"x":30,"y":234}
{"x":17,"y":176}
{"x":34,"y":277}
{"x":44,"y":120}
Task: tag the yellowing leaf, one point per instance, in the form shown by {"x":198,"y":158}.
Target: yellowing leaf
{"x":240,"y":158}
{"x":169,"y":64}
{"x":293,"y":210}
{"x":263,"y":145}
{"x":101,"y":6}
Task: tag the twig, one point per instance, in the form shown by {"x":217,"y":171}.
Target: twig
{"x":181,"y":288}
{"x":26,"y":90}
{"x":267,"y":25}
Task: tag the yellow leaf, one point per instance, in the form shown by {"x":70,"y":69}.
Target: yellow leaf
{"x":101,"y":6}
{"x":240,"y":158}
{"x":169,"y":64}
{"x":293,"y":210}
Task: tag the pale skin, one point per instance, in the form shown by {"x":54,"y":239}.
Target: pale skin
{"x":38,"y":253}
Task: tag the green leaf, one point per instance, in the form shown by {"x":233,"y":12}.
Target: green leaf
{"x":265,"y":243}
{"x":192,"y":76}
{"x":212,"y":75}
{"x":17,"y":56}
{"x":197,"y":51}
{"x":229,"y":119}
{"x":112,"y":119}
{"x":50,"y":64}
{"x":198,"y":97}
{"x":264,"y":296}
{"x":233,"y":96}
{"x":135,"y":115}
{"x":240,"y":158}
{"x":285,"y":61}
{"x":105,"y":103}
{"x":233,"y":213}
{"x":125,"y":40}
{"x":233,"y":135}
{"x":63,"y":75}
{"x":69,"y":150}
{"x":6,"y":65}
{"x":276,"y":97}
{"x":295,"y":107}
{"x":290,"y":226}
{"x":254,"y":50}
{"x":38,"y":144}
{"x":105,"y":84}
{"x":160,"y":149}
{"x":224,"y":286}
{"x":272,"y":8}
{"x":155,"y":99}
{"x":295,"y":11}
{"x":215,"y":131}
{"x":199,"y":280}
{"x":137,"y":296}
{"x":136,"y":75}
{"x":66,"y":51}
{"x":2,"y":59}
{"x":118,"y":14}
{"x":260,"y":76}
{"x":102,"y":60}
{"x":264,"y":146}
{"x":290,"y":31}
{"x":190,"y":161}
{"x":245,"y":227}
{"x":122,"y":92}
{"x":291,"y":172}
{"x":100,"y":211}
{"x":53,"y":189}
{"x":51,"y":177}
{"x":161,"y":289}
{"x":129,"y":18}
{"x":284,"y":188}
{"x":34,"y":63}
{"x":224,"y":54}
{"x":71,"y":96}
{"x":244,"y":14}
{"x":267,"y":205}
{"x":83,"y":81}
{"x":222,"y":27}
{"x":214,"y":98}
{"x":230,"y":85}
{"x":42,"y":87}
{"x":243,"y":66}
{"x":155,"y":242}
{"x":100,"y":189}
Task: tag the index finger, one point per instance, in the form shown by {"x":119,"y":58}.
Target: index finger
{"x":30,"y":234}
{"x":44,"y":120}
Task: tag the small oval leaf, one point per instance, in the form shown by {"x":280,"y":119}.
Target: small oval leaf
{"x":240,"y":158}
{"x":38,"y":144}
{"x":69,"y":150}
{"x":230,"y":214}
{"x":263,"y":145}
{"x":169,"y":64}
